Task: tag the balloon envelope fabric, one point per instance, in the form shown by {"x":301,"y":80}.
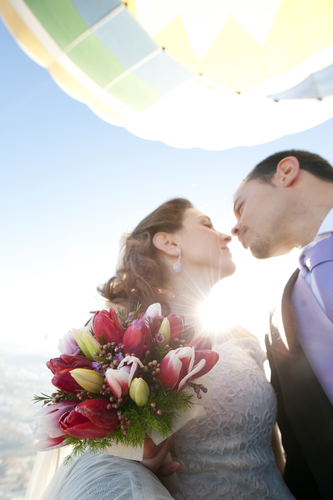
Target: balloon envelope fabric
{"x":192,"y":73}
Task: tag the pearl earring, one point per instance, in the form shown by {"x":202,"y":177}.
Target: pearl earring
{"x":177,"y":267}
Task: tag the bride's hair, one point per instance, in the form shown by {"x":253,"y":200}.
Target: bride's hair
{"x":141,"y":273}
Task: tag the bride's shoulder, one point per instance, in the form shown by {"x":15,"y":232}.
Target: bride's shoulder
{"x":238,"y":336}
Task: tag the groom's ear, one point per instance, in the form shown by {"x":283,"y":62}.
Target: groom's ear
{"x":165,"y":243}
{"x":287,"y":171}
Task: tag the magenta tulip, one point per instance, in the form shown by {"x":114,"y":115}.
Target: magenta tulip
{"x":201,"y":343}
{"x":90,"y":419}
{"x":46,"y":426}
{"x":176,"y":327}
{"x":107,"y":327}
{"x":137,"y":338}
{"x":210,"y":357}
{"x":61,"y":368}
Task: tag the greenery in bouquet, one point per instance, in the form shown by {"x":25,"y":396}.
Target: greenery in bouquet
{"x":120,"y":378}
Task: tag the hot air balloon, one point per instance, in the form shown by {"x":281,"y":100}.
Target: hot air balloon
{"x":192,"y":73}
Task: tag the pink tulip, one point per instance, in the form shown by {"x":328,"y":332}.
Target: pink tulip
{"x":68,"y":344}
{"x":137,"y":338}
{"x":153,"y":311}
{"x":153,"y":317}
{"x":176,"y":327}
{"x":119,"y":380}
{"x":50,"y":444}
{"x":175,"y":366}
{"x":90,"y":419}
{"x":178,"y":367}
{"x":61,"y":368}
{"x":46,"y":426}
{"x":107,"y":327}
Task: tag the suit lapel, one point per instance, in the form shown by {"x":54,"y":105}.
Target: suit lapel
{"x":284,"y":326}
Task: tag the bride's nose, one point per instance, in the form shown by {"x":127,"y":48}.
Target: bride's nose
{"x":226,"y":238}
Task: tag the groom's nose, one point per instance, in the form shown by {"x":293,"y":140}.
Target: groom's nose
{"x":235,"y":230}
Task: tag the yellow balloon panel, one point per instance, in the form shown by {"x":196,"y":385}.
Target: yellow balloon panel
{"x":23,"y":36}
{"x":238,"y":54}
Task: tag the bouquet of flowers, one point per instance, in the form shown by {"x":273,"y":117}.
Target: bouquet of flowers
{"x":120,"y":379}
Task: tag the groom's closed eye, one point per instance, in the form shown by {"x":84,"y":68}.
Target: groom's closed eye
{"x":237,"y":209}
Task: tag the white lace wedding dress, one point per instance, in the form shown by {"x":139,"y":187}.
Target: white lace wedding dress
{"x":225,"y":455}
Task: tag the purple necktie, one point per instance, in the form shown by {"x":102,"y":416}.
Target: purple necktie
{"x":319,"y":260}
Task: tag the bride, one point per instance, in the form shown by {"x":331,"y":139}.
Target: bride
{"x":175,"y":256}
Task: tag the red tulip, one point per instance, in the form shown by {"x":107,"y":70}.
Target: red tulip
{"x":90,"y":419}
{"x":176,"y":327}
{"x":68,"y":362}
{"x":61,"y":368}
{"x":107,"y":327}
{"x":137,"y":338}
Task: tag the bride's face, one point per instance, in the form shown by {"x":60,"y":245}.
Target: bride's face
{"x":204,"y":249}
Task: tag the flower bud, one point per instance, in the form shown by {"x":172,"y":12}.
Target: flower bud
{"x":165,"y":331}
{"x":87,"y":343}
{"x":139,"y":391}
{"x":88,"y":379}
{"x":176,"y":327}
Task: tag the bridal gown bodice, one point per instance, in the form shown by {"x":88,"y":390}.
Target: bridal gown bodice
{"x":227,"y":454}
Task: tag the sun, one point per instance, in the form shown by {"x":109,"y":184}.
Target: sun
{"x":246,"y":298}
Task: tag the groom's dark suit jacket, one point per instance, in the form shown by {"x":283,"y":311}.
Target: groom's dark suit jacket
{"x":305,"y":414}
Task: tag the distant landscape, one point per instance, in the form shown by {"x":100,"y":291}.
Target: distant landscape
{"x":22,"y":374}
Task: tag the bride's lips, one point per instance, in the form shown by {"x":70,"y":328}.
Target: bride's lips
{"x":226,"y":248}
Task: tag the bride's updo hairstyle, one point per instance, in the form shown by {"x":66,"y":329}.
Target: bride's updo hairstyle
{"x":141,"y":274}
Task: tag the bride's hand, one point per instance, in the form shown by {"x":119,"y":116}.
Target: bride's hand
{"x":154,"y":456}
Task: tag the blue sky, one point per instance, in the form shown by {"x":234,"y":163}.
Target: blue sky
{"x":71,"y":183}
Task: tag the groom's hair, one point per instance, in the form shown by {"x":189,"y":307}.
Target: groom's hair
{"x":312,"y":163}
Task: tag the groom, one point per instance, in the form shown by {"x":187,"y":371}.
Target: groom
{"x":286,"y":202}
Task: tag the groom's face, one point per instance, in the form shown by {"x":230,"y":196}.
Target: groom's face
{"x":260,"y":212}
